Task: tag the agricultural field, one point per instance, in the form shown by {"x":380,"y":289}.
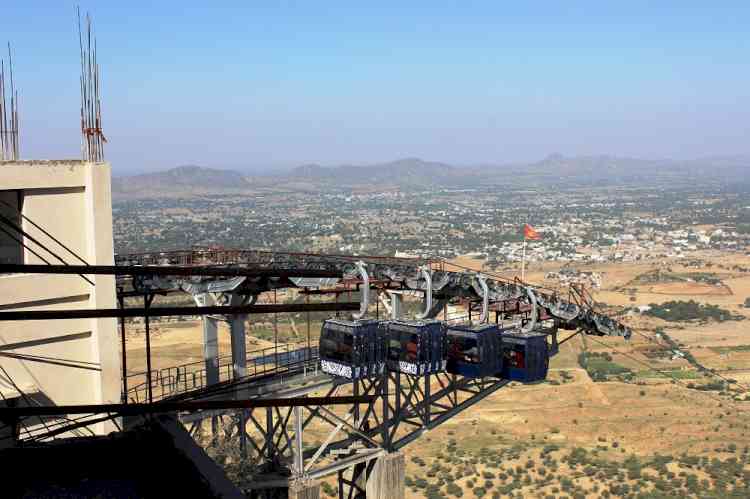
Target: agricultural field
{"x":635,"y":421}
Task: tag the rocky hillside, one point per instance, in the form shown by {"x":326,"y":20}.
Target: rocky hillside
{"x":177,"y":181}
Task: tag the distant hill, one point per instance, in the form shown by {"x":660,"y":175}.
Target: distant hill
{"x":557,"y":169}
{"x":580,"y":171}
{"x":403,"y":172}
{"x":186,"y":179}
{"x":554,"y":171}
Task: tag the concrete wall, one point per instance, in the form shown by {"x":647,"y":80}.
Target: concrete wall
{"x":72,"y":201}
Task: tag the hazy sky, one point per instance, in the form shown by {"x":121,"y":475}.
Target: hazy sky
{"x":255,"y":84}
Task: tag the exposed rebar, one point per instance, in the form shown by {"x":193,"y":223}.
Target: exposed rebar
{"x":9,"y":143}
{"x":92,"y":138}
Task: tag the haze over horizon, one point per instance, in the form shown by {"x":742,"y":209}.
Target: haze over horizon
{"x":302,"y":168}
{"x":247,"y":86}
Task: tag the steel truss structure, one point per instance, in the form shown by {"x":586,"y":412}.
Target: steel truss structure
{"x":401,"y":408}
{"x":270,"y":442}
{"x":363,"y":273}
{"x":406,"y":405}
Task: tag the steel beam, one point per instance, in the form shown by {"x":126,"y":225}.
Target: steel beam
{"x":346,"y":462}
{"x":30,"y":315}
{"x":169,"y":270}
{"x":161,"y":407}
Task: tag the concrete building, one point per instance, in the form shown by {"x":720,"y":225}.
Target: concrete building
{"x":71,"y":201}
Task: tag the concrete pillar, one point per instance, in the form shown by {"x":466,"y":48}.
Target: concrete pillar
{"x":395,"y":305}
{"x":210,"y":339}
{"x":304,"y":489}
{"x":99,"y":250}
{"x":69,"y":203}
{"x":211,"y":349}
{"x":386,"y":481}
{"x":237,"y":336}
{"x":239,"y":350}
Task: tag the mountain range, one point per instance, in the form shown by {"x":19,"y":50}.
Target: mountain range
{"x":553,"y":171}
{"x":402,"y":172}
{"x":180,"y":180}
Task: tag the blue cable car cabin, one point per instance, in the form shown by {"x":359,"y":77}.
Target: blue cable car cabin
{"x":525,"y":356}
{"x":349,"y":349}
{"x":415,"y":347}
{"x":474,"y":351}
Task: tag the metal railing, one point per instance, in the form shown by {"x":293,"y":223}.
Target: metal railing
{"x":265,"y":258}
{"x":192,"y":376}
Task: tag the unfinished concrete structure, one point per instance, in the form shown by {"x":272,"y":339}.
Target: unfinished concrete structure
{"x":64,"y":212}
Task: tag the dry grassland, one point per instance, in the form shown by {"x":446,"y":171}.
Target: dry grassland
{"x":652,"y":414}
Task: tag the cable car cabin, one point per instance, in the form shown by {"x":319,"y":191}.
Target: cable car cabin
{"x":474,"y":351}
{"x":415,"y":347}
{"x":525,"y":356}
{"x":350,"y":349}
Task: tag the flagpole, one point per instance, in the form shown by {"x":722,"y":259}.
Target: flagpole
{"x":523,"y":260}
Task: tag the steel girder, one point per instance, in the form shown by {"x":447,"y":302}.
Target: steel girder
{"x":268,"y":439}
{"x":415,"y":274}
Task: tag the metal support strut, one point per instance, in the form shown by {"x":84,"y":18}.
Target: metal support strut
{"x":364,"y":289}
{"x":485,"y":299}
{"x":425,"y":270}
{"x":534,"y":311}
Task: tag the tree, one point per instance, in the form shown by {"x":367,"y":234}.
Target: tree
{"x":454,"y":490}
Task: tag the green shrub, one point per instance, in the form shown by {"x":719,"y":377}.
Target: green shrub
{"x":674,"y":311}
{"x":454,"y":490}
{"x":328,"y":489}
{"x":421,"y":483}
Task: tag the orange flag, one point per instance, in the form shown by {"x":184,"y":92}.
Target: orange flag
{"x":530,"y":234}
